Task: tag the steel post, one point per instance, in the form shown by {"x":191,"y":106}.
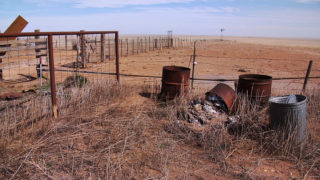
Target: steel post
{"x":117,"y":56}
{"x":307,"y":76}
{"x":52,"y":78}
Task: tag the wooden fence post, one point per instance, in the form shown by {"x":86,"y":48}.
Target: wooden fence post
{"x":127,"y":47}
{"x":38,"y":66}
{"x":109,"y":51}
{"x":138,"y":46}
{"x":145,"y":44}
{"x":103,"y":41}
{"x":83,"y":47}
{"x":121,"y":46}
{"x":149,"y":43}
{"x":156,"y":43}
{"x":66,"y":42}
{"x":132,"y":47}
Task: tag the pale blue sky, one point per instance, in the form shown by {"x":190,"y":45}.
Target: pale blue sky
{"x":267,"y":18}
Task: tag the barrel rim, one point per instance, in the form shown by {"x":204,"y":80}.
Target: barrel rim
{"x":176,"y":68}
{"x":273,"y":100}
{"x":225,"y":92}
{"x":255,"y":77}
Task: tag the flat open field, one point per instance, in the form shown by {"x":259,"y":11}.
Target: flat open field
{"x":234,"y":56}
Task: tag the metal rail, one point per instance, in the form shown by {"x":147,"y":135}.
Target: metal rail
{"x":159,"y":77}
{"x":4,"y":35}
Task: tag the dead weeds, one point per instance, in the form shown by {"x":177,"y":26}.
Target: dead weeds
{"x":107,"y":131}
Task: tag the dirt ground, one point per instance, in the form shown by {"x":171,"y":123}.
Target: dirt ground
{"x":228,"y":59}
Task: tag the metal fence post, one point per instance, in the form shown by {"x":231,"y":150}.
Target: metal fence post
{"x":52,"y":78}
{"x":117,"y":56}
{"x":307,"y":76}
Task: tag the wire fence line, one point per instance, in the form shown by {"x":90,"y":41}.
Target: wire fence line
{"x":35,"y":58}
{"x":24,"y":54}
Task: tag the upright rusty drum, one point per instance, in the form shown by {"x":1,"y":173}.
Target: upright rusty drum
{"x":175,"y":81}
{"x":256,"y":86}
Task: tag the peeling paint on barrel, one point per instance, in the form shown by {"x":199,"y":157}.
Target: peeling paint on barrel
{"x":175,"y":81}
{"x":257,"y":86}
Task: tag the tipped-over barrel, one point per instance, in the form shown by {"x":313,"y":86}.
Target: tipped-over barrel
{"x":224,"y":93}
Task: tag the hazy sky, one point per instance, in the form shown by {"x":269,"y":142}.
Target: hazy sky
{"x":269,"y":18}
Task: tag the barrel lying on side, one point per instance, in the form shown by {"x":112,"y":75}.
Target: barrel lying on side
{"x":257,"y":86}
{"x":224,"y":93}
{"x":175,"y":80}
{"x":289,"y":115}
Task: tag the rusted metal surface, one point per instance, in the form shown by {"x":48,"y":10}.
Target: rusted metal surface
{"x":225,"y":92}
{"x":256,"y":86}
{"x":307,"y":76}
{"x":117,"y":56}
{"x":175,"y":81}
{"x":52,"y":78}
{"x":10,"y":96}
{"x":51,"y":55}
{"x":289,"y":115}
{"x":54,"y":33}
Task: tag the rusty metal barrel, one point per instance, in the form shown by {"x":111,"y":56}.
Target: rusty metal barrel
{"x":257,"y":86}
{"x":289,"y":115}
{"x":224,"y":94}
{"x":175,"y":81}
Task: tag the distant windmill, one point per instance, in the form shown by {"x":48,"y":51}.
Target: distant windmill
{"x":221,"y":35}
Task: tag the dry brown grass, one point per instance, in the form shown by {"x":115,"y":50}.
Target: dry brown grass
{"x":108,"y":131}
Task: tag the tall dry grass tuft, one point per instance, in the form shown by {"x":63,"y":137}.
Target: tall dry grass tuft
{"x":280,"y":143}
{"x":84,"y":142}
{"x":252,"y":131}
{"x":213,"y":139}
